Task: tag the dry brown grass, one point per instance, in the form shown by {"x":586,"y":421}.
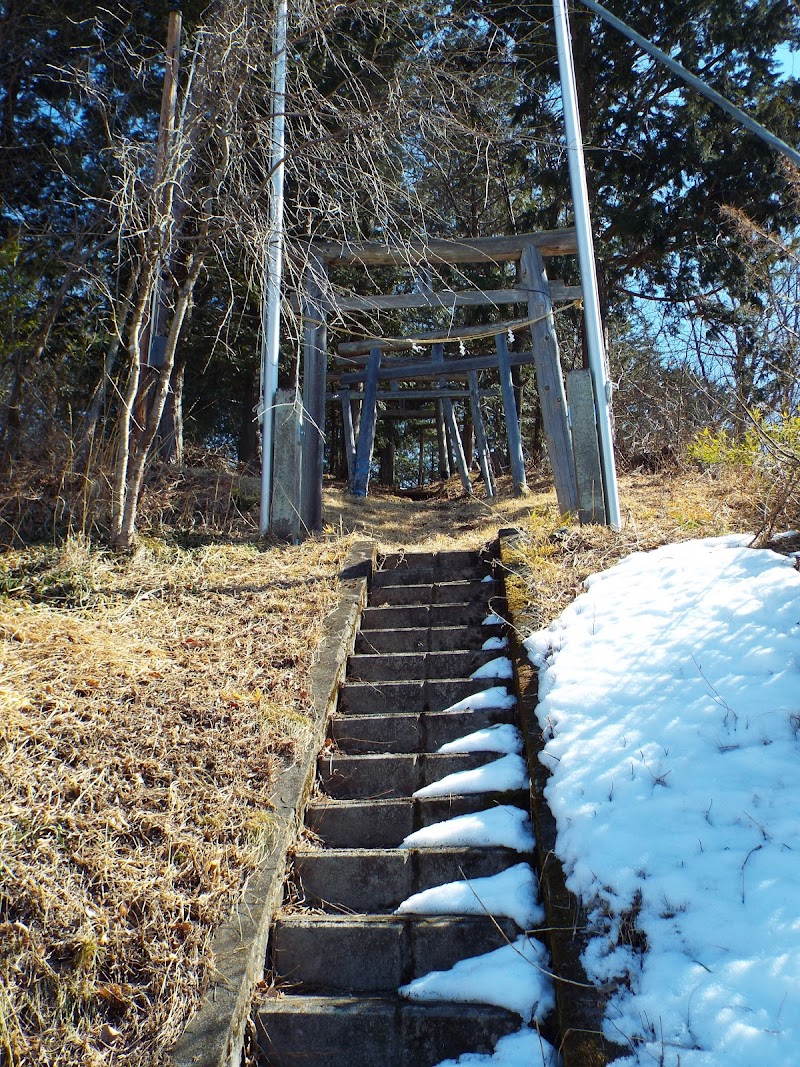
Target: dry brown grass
{"x":145,"y":705}
{"x":551,"y":560}
{"x":446,"y":521}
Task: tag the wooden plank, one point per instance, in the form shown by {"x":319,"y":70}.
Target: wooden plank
{"x":388,"y":397}
{"x":454,"y":369}
{"x":580,"y":395}
{"x":359,"y":485}
{"x":349,"y":434}
{"x":449,"y":299}
{"x":439,"y":250}
{"x":315,"y":343}
{"x":409,"y":415}
{"x":431,"y":337}
{"x":437,"y":356}
{"x":481,"y":443}
{"x":513,"y":435}
{"x":550,"y":381}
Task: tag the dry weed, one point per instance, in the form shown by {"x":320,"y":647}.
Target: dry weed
{"x":551,"y":560}
{"x":145,"y":706}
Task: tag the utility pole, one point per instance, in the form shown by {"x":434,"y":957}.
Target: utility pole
{"x":273,"y":266}
{"x":586,"y":261}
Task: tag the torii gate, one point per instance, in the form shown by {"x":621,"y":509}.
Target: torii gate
{"x":576,"y":470}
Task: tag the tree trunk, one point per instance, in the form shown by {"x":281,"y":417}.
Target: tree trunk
{"x":129,"y":479}
{"x":170,"y":432}
{"x":125,"y":419}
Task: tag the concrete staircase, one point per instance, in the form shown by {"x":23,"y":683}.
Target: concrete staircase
{"x":338,"y":953}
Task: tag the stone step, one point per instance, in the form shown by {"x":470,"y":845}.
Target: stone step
{"x":378,"y":953}
{"x":458,"y":592}
{"x":443,"y":566}
{"x":388,"y":666}
{"x":385,"y":579}
{"x":376,"y":881}
{"x":384,"y":824}
{"x":384,"y":776}
{"x":375,"y":1031}
{"x":436,"y":639}
{"x":414,"y":731}
{"x":423,"y":616}
{"x":386,"y":698}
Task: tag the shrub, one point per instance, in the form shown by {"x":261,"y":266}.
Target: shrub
{"x":766,"y":456}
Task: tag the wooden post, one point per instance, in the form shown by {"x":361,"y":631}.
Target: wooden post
{"x":437,"y":355}
{"x":387,"y":456}
{"x":480,"y":433}
{"x":591,"y":502}
{"x":315,"y":339}
{"x":421,"y":467}
{"x":349,"y":435}
{"x":515,"y":456}
{"x":549,"y":379}
{"x":284,"y":518}
{"x":366,"y":431}
{"x":441,"y":442}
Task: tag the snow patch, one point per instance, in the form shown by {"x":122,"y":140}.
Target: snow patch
{"x":512,"y":893}
{"x":499,"y":776}
{"x":502,"y":827}
{"x":495,"y":697}
{"x":510,"y":977}
{"x":492,"y":644}
{"x":501,"y":667}
{"x":525,"y":1048}
{"x":669,"y":694}
{"x":500,"y":738}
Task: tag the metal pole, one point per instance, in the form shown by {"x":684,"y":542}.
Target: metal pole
{"x":695,"y":82}
{"x":273,"y":265}
{"x":583,"y":228}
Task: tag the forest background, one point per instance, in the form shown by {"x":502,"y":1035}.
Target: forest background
{"x":403,"y":122}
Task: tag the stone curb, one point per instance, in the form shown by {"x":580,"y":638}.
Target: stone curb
{"x":215,"y":1035}
{"x":579,"y":1005}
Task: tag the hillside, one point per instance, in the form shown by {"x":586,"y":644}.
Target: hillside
{"x":148,"y":700}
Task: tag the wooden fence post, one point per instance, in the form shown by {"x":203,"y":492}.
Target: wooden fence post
{"x":441,"y":443}
{"x":366,"y":431}
{"x":480,"y":433}
{"x":284,"y":517}
{"x":437,"y":356}
{"x":349,"y":435}
{"x":315,"y":342}
{"x":515,"y":456}
{"x":580,"y":394}
{"x":549,"y":379}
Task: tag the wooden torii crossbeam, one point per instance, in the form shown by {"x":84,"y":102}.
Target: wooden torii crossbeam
{"x":532,"y":289}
